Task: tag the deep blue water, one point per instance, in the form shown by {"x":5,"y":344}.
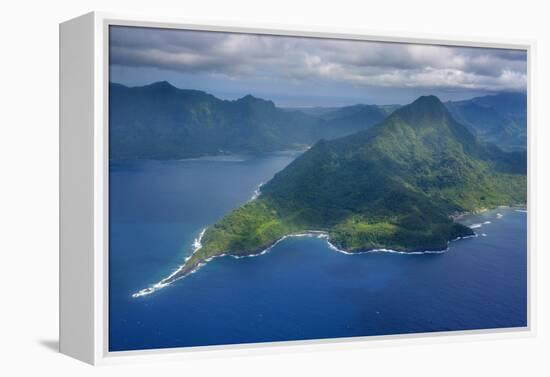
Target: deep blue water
{"x":301,"y":289}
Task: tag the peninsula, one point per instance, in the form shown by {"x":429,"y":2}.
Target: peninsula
{"x":396,"y":185}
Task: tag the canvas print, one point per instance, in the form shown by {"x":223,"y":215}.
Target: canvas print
{"x":267,"y":188}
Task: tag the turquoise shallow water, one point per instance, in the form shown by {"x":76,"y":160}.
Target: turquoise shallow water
{"x":301,"y":289}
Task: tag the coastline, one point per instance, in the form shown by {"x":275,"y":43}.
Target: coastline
{"x":189,"y":268}
{"x":460,"y":215}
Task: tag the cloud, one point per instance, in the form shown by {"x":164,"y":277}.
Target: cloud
{"x":297,"y":59}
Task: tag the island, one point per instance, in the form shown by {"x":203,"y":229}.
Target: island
{"x":397,"y":185}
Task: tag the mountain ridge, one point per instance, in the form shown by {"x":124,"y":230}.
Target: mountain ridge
{"x":161,"y":121}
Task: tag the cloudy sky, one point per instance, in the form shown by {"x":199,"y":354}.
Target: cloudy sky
{"x":295,"y":71}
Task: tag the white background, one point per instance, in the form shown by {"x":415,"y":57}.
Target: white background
{"x":29,"y":185}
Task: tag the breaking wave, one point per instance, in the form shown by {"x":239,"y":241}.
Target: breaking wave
{"x":479,"y":225}
{"x":173,"y":276}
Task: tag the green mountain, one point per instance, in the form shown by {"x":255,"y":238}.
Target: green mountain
{"x":160,"y":121}
{"x":395,"y":185}
{"x":500,"y":119}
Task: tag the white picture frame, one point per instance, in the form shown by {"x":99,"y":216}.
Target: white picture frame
{"x":84,"y":189}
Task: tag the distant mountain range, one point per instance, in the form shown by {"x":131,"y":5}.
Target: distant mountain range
{"x":500,"y":119}
{"x":395,"y":185}
{"x":160,"y":121}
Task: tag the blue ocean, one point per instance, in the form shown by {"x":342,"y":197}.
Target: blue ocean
{"x":301,"y":289}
